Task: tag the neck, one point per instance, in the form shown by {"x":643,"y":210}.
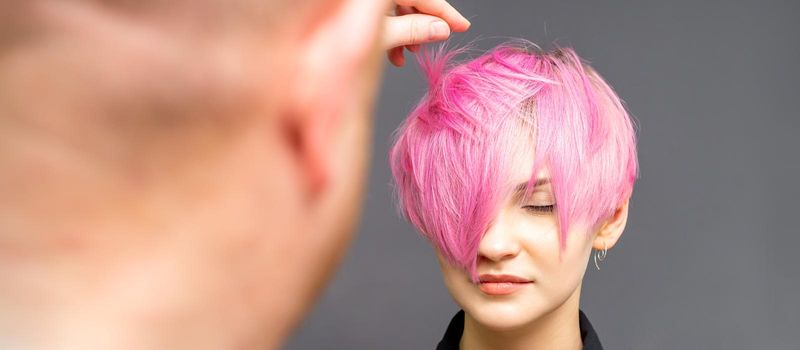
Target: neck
{"x":558,"y":329}
{"x":135,"y":306}
{"x":95,"y":261}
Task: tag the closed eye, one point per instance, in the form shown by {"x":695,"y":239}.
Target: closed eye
{"x":540,"y":209}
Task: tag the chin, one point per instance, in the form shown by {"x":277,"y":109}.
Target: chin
{"x":505,"y":314}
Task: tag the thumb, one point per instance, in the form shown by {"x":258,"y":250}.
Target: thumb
{"x":413,"y":29}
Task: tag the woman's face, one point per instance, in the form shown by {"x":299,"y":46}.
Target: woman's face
{"x":522,"y":246}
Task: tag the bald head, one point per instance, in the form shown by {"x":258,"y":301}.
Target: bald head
{"x":165,"y":162}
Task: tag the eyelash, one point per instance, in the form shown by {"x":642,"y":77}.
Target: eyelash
{"x":540,"y":209}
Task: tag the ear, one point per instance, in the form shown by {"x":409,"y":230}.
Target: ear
{"x":611,"y":230}
{"x":333,"y":54}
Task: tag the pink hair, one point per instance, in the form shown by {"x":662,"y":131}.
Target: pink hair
{"x":452,"y":157}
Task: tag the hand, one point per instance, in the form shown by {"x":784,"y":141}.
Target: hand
{"x":419,"y":21}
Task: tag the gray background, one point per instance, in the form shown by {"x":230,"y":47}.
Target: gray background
{"x":708,"y":257}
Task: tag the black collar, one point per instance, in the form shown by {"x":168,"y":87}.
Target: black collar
{"x":452,"y":337}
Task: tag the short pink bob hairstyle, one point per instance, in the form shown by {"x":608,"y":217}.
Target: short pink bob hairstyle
{"x":453,"y":155}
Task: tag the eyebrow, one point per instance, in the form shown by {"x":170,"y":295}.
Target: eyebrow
{"x":522,"y":188}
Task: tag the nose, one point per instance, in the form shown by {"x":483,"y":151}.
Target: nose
{"x":499,"y":242}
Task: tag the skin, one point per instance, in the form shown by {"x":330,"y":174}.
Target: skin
{"x":523,"y":241}
{"x":419,"y":21}
{"x":171,"y":179}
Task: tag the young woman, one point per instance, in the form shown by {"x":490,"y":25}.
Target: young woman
{"x":514,"y":165}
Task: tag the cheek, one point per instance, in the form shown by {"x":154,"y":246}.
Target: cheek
{"x":540,"y":241}
{"x":457,"y":282}
{"x":558,"y":270}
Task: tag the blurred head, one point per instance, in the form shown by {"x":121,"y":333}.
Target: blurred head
{"x":514,"y":165}
{"x":190,"y":166}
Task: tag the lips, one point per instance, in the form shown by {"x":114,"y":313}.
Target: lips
{"x":501,"y":284}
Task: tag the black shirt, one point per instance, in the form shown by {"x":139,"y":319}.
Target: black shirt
{"x":452,"y":337}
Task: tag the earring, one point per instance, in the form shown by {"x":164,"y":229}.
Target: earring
{"x":601,"y":255}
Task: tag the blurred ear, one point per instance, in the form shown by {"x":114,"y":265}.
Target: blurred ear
{"x":612,"y":228}
{"x":335,"y":51}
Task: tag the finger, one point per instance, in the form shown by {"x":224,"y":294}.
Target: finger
{"x":413,"y":29}
{"x":396,"y":56}
{"x":441,"y":9}
{"x":407,"y":10}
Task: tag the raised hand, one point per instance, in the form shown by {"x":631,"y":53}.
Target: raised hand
{"x":417,"y":22}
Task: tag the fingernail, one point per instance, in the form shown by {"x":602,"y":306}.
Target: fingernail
{"x":439,"y":30}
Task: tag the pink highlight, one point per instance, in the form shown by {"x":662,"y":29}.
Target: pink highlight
{"x":453,"y":155}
